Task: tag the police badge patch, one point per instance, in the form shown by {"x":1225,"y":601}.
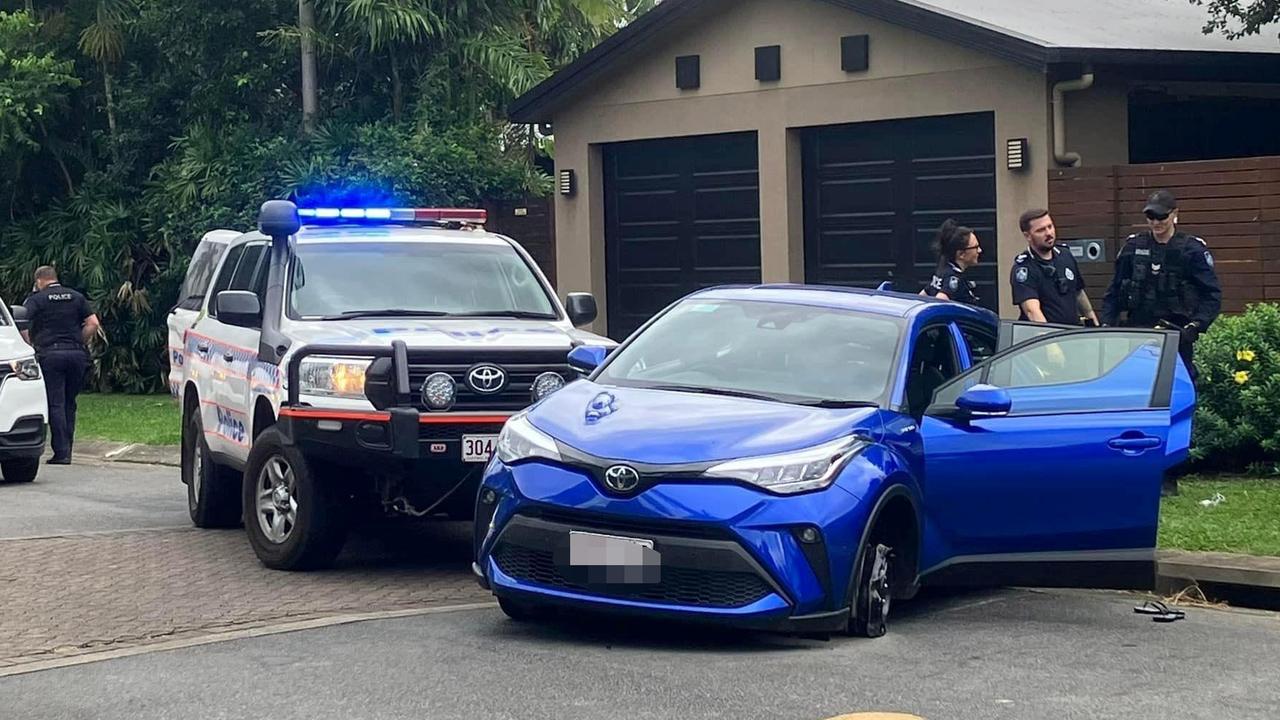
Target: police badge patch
{"x":1208,"y":258}
{"x":1021,"y":275}
{"x":953,"y":283}
{"x":1070,"y":275}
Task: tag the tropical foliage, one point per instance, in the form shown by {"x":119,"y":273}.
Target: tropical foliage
{"x":1237,"y":424}
{"x":128,"y":128}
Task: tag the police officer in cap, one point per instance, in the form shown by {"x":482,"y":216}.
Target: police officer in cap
{"x":1164,"y":278}
{"x":62,"y":324}
{"x":1047,"y":285}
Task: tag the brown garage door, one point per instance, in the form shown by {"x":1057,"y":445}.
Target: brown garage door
{"x":681,"y":214}
{"x":875,"y":194}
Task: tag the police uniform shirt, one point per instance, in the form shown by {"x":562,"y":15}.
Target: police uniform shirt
{"x":1055,"y":283}
{"x":57,"y":316}
{"x":1193,"y":261}
{"x":949,"y":279}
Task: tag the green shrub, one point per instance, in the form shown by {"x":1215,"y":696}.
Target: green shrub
{"x":1237,"y":422}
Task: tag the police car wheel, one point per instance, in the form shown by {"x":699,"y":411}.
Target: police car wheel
{"x":872,"y":595}
{"x":294,"y":516}
{"x":213,"y":493}
{"x":21,"y":470}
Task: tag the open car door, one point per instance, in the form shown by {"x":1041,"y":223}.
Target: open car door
{"x":1043,"y":464}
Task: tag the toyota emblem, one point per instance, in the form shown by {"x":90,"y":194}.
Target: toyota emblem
{"x":486,"y":379}
{"x":621,"y":478}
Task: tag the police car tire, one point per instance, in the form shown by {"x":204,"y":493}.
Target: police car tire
{"x":321,"y":527}
{"x":21,"y":470}
{"x":213,"y":502}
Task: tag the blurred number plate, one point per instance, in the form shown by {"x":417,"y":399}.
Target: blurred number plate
{"x":478,"y":448}
{"x":609,"y":550}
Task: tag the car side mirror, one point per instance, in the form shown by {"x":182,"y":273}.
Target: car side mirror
{"x":240,"y":308}
{"x":582,"y":308}
{"x":586,"y":358}
{"x":985,"y":401}
{"x":20,"y":317}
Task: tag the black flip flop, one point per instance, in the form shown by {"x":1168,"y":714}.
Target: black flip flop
{"x":1159,"y":612}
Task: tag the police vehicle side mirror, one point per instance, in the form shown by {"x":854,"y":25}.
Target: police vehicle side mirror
{"x":20,"y":318}
{"x":582,"y":309}
{"x":586,"y":358}
{"x":240,"y":308}
{"x":984,"y":401}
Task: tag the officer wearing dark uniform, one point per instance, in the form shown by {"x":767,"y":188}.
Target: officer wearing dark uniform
{"x":1047,"y":284}
{"x":61,"y":325}
{"x":958,"y":250}
{"x":1164,"y":278}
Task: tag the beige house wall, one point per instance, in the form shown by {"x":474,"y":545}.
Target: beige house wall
{"x":911,"y":75}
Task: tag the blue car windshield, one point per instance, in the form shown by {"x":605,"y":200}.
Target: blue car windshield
{"x":333,"y":280}
{"x":779,"y":351}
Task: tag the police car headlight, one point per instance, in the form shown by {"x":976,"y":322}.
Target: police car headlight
{"x":545,"y":384}
{"x":25,"y":368}
{"x":520,"y":440}
{"x":788,"y":473}
{"x":331,"y":377}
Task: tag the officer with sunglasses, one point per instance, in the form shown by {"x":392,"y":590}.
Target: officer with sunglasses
{"x":1164,"y":278}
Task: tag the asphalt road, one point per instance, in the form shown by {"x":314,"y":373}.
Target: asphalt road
{"x":1000,"y":655}
{"x":93,"y":498}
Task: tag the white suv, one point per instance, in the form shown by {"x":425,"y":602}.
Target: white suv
{"x":24,"y":409}
{"x":363,"y":361}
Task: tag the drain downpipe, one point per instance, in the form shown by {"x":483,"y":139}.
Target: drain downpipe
{"x":1070,"y":159}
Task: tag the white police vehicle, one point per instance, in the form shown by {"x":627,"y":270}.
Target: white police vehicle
{"x":351,"y":360}
{"x":23,"y":405}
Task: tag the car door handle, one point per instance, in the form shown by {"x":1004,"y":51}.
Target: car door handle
{"x":1134,"y":443}
{"x":202,"y":347}
{"x":229,"y":357}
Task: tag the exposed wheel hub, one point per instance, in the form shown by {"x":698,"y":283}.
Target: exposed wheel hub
{"x":277,"y":500}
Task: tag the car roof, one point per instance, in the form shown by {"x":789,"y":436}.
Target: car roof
{"x":880,"y":302}
{"x":319,"y":234}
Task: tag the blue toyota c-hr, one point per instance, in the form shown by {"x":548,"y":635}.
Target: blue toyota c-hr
{"x":793,"y":458}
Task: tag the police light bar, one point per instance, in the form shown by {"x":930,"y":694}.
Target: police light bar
{"x":467,"y":216}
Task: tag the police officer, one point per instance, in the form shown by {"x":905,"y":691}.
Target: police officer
{"x":1047,"y":285}
{"x":1164,"y":278}
{"x":62,"y":323}
{"x":958,"y":250}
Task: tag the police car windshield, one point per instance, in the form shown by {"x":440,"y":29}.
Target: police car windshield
{"x":788,"y":353}
{"x":415,"y":278}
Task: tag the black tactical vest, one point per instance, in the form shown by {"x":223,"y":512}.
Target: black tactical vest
{"x":1154,"y":292}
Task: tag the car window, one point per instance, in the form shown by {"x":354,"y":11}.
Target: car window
{"x":199,"y":272}
{"x":982,"y":344}
{"x":329,"y":279}
{"x":792,"y":353}
{"x":245,"y":270}
{"x":933,"y":362}
{"x":224,"y":278}
{"x":1084,"y":372}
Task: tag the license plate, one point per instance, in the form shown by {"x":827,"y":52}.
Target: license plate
{"x":610,"y":559}
{"x":478,"y":448}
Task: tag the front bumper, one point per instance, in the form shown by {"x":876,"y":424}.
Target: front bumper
{"x":26,"y":439}
{"x":728,"y":554}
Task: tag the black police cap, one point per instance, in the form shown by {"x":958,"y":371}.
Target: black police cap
{"x":1161,"y":202}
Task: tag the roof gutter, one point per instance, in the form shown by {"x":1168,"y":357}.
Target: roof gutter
{"x":1070,"y":159}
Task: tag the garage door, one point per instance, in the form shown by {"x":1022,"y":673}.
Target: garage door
{"x":680,"y":214}
{"x":875,"y":194}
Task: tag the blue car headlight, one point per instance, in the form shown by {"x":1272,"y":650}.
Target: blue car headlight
{"x":520,"y":440}
{"x":793,"y":472}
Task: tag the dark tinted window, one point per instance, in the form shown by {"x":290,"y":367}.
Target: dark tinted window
{"x":244,"y":277}
{"x":982,"y":344}
{"x":203,"y":263}
{"x":224,"y":278}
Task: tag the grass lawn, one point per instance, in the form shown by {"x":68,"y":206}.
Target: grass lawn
{"x":1247,"y":521}
{"x":149,"y":419}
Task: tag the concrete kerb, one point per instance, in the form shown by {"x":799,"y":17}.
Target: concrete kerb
{"x":1247,"y":580}
{"x":117,"y":452}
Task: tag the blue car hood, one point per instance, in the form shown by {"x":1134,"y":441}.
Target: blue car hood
{"x":668,"y":428}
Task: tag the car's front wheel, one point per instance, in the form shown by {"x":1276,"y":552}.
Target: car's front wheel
{"x":873,"y":591}
{"x":292,"y":514}
{"x":20,"y":470}
{"x":213,"y":495}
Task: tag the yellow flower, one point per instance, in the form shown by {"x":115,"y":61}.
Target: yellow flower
{"x":1246,"y":355}
{"x":1242,"y":377}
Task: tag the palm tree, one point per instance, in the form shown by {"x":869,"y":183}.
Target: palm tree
{"x":307,"y":29}
{"x":103,"y":42}
{"x":389,"y":25}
